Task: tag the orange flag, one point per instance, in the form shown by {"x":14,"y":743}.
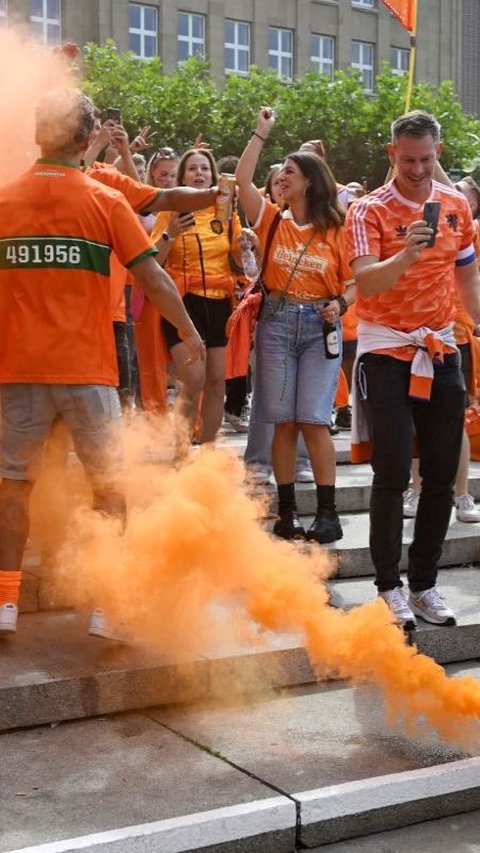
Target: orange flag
{"x":403,"y":10}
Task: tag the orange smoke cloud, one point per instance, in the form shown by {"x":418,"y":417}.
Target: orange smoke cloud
{"x":195,"y":569}
{"x":27,"y":72}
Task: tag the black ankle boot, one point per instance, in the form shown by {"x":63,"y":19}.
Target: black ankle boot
{"x":288,"y":526}
{"x":325,"y":527}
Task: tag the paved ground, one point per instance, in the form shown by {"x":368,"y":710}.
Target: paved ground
{"x":129,"y":769}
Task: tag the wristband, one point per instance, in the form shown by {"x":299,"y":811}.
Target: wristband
{"x":342,"y":302}
{"x":254,"y":133}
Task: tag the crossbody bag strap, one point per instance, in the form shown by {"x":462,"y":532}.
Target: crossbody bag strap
{"x":268,"y":244}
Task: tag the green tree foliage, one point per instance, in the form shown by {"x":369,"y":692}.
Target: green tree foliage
{"x":354,"y":126}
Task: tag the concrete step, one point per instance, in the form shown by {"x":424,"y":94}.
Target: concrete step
{"x":51,"y":670}
{"x":306,"y":768}
{"x":353,"y":490}
{"x":352,"y":552}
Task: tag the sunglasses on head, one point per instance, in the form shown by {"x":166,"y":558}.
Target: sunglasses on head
{"x":165,"y":154}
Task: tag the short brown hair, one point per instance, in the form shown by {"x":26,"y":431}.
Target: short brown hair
{"x":415,"y":123}
{"x":64,"y":120}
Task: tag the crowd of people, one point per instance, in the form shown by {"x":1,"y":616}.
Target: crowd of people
{"x":271,"y":308}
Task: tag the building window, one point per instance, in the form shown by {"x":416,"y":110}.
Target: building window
{"x":237,"y":47}
{"x":399,"y":60}
{"x":45,"y":22}
{"x":280,"y":52}
{"x":191,"y":35}
{"x":3,"y":12}
{"x":367,"y":4}
{"x":322,"y":54}
{"x":142,"y":30}
{"x":362,"y":60}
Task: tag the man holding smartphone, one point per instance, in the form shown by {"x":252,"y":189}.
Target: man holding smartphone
{"x":408,"y":366}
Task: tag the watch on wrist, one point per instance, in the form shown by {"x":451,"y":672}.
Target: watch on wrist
{"x":166,"y":237}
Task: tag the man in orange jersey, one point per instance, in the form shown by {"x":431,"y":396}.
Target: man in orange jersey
{"x":57,"y":351}
{"x":408,"y":368}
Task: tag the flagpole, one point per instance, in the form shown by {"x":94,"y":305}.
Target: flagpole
{"x":411,"y":64}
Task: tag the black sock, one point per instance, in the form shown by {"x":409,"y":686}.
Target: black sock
{"x":286,"y":498}
{"x":325,"y":498}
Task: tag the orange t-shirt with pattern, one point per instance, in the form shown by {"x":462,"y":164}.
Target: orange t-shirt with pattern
{"x":464,"y":324}
{"x":323,"y":270}
{"x":57,"y":231}
{"x":424,"y":295}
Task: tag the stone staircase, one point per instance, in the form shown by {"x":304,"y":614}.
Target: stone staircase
{"x":256,"y":756}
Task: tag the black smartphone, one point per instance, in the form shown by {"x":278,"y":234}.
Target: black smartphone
{"x":113,"y":114}
{"x":431,"y":215}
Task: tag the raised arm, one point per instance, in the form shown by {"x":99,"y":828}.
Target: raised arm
{"x":250,"y":198}
{"x":183,"y":199}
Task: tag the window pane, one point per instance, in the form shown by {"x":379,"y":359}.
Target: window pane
{"x":197,"y":49}
{"x":36,"y":31}
{"x":182,"y":51}
{"x":53,"y":9}
{"x":243,"y":60}
{"x":273,"y":62}
{"x":182,"y":25}
{"x":197,"y":28}
{"x":229,"y":32}
{"x":368,"y":54}
{"x":150,"y":46}
{"x":328,"y":48}
{"x":286,"y":41}
{"x":150,"y":19}
{"x":37,"y":8}
{"x":53,"y":34}
{"x":355,"y":51}
{"x":243,"y":34}
{"x":272,"y":39}
{"x":134,"y":43}
{"x":286,"y":68}
{"x":230,"y":59}
{"x":134,"y":16}
{"x":314,"y":46}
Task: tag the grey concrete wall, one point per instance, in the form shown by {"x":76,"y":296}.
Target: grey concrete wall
{"x":445,"y":31}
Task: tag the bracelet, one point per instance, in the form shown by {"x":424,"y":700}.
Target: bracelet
{"x":343,"y":305}
{"x":263,"y":138}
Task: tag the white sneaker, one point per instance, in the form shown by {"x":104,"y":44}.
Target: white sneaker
{"x":8,"y":619}
{"x":398,"y":606}
{"x":465,"y":509}
{"x":410,"y":503}
{"x":238,"y":422}
{"x":430,"y":605}
{"x":304,"y":474}
{"x":258,"y":475}
{"x":102,"y":626}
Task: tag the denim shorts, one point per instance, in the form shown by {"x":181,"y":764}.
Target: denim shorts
{"x":294,"y":379}
{"x":91,"y":412}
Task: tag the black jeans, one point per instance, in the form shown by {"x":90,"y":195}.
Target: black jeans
{"x":439,"y":424}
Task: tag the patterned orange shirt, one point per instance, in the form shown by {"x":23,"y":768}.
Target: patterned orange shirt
{"x":424,"y":295}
